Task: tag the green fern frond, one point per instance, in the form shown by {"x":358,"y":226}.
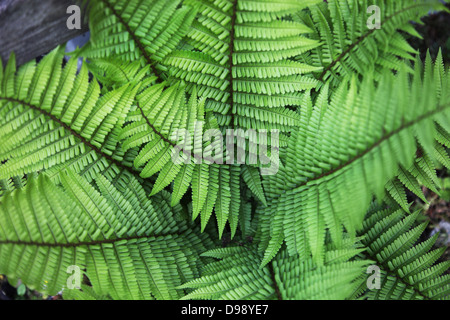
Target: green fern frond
{"x":236,"y":276}
{"x":351,"y":44}
{"x":144,"y":169}
{"x":114,"y":73}
{"x":52,"y":117}
{"x":241,"y":61}
{"x":253,"y":180}
{"x":146,"y":31}
{"x":163,"y":117}
{"x":428,"y":157}
{"x":346,"y":151}
{"x":128,"y":246}
{"x":408,"y":269}
{"x":86,"y":293}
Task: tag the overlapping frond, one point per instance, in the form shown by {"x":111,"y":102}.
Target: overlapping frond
{"x":52,"y":117}
{"x":137,"y":30}
{"x":409,"y":269}
{"x":114,"y":73}
{"x":127,"y":246}
{"x":237,"y":53}
{"x":236,"y":276}
{"x":354,"y":41}
{"x":428,"y":157}
{"x":171,"y":132}
{"x":346,"y":151}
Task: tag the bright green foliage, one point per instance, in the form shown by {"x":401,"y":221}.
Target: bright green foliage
{"x":388,"y":240}
{"x":287,"y":277}
{"x":161,"y":119}
{"x":350,"y":47}
{"x":130,"y":246}
{"x":137,"y":30}
{"x":407,"y":270}
{"x":343,"y":153}
{"x":86,"y":293}
{"x":114,"y":73}
{"x":52,"y":117}
{"x":93,"y":172}
{"x":238,"y":54}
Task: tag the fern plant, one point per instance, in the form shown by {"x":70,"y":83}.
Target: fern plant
{"x":88,"y":177}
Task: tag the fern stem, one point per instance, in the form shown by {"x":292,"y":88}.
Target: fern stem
{"x":153,"y":127}
{"x":275,"y":284}
{"x":83,"y":243}
{"x":161,"y":135}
